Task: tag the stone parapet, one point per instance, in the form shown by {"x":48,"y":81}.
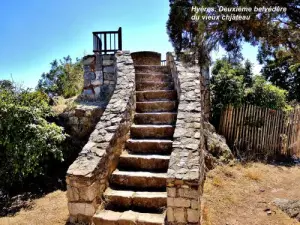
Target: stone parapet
{"x":186,"y":171}
{"x":87,"y":177}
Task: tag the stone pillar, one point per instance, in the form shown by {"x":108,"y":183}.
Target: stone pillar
{"x":93,"y":77}
{"x":109,"y":75}
{"x":99,"y":77}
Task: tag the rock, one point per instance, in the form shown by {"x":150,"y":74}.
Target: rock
{"x":218,"y":151}
{"x":290,"y":207}
{"x":87,"y":60}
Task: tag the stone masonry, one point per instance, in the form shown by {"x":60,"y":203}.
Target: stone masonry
{"x":87,"y":176}
{"x":186,"y":167}
{"x":99,"y":77}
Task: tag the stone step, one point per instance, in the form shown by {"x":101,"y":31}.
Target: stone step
{"x":155,"y":118}
{"x":144,"y":162}
{"x":138,"y":179}
{"x":152,"y":131}
{"x":149,"y":146}
{"x":162,"y":95}
{"x":146,"y":86}
{"x":152,"y":69}
{"x":109,"y":217}
{"x":140,"y":200}
{"x":144,"y":77}
{"x":156,"y":106}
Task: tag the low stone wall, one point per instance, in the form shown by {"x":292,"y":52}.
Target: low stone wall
{"x":186,"y":171}
{"x":81,"y":121}
{"x":87,"y":177}
{"x":146,"y":58}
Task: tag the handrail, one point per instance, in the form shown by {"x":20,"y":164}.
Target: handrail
{"x":107,"y":41}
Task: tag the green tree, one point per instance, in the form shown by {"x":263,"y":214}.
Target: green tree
{"x":281,"y":71}
{"x":27,"y":140}
{"x":65,"y":78}
{"x":266,"y":95}
{"x":227,"y":87}
{"x":230,"y":87}
{"x":268,"y":30}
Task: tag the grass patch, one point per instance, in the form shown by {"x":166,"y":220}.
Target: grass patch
{"x":253,"y":174}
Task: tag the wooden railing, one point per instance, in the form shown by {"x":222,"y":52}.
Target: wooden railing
{"x":163,"y":62}
{"x":261,"y":132}
{"x":106,"y":42}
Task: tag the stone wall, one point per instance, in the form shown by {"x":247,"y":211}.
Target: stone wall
{"x":186,"y":171}
{"x":87,"y":177}
{"x":81,"y":121}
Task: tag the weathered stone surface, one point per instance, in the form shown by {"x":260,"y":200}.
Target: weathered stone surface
{"x":186,"y":167}
{"x":138,"y":179}
{"x":78,"y":208}
{"x":144,"y":162}
{"x":109,"y":69}
{"x":87,"y":60}
{"x":149,"y":146}
{"x":108,"y":217}
{"x":218,"y":151}
{"x":290,"y":207}
{"x":146,"y":58}
{"x":192,"y":216}
{"x":89,"y":76}
{"x":155,"y":95}
{"x":95,"y":162}
{"x":155,"y":118}
{"x":127,"y":199}
{"x":179,"y":215}
{"x":108,"y":62}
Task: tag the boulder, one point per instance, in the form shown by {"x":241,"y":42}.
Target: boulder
{"x":217,"y":150}
{"x":290,"y":207}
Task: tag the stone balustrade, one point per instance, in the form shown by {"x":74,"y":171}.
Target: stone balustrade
{"x":186,"y":171}
{"x":87,"y":177}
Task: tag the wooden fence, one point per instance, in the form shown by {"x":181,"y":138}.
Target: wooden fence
{"x":261,"y":132}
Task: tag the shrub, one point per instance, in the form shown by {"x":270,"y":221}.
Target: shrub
{"x":27,"y":140}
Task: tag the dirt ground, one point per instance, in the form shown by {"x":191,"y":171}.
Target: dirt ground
{"x":49,"y":210}
{"x":242,"y":195}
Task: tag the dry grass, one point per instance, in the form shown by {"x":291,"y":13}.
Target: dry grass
{"x":239,"y":195}
{"x":61,"y":105}
{"x":48,"y":210}
{"x":254,"y":174}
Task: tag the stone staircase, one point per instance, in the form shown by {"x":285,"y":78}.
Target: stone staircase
{"x":137,"y":188}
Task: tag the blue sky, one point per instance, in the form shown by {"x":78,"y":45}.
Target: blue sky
{"x":35,"y":32}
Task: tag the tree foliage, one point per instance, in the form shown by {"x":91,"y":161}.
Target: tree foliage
{"x":65,"y":78}
{"x":266,"y":95}
{"x":280,"y":70}
{"x":227,"y":86}
{"x":270,"y":30}
{"x":234,"y":84}
{"x":27,"y":140}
